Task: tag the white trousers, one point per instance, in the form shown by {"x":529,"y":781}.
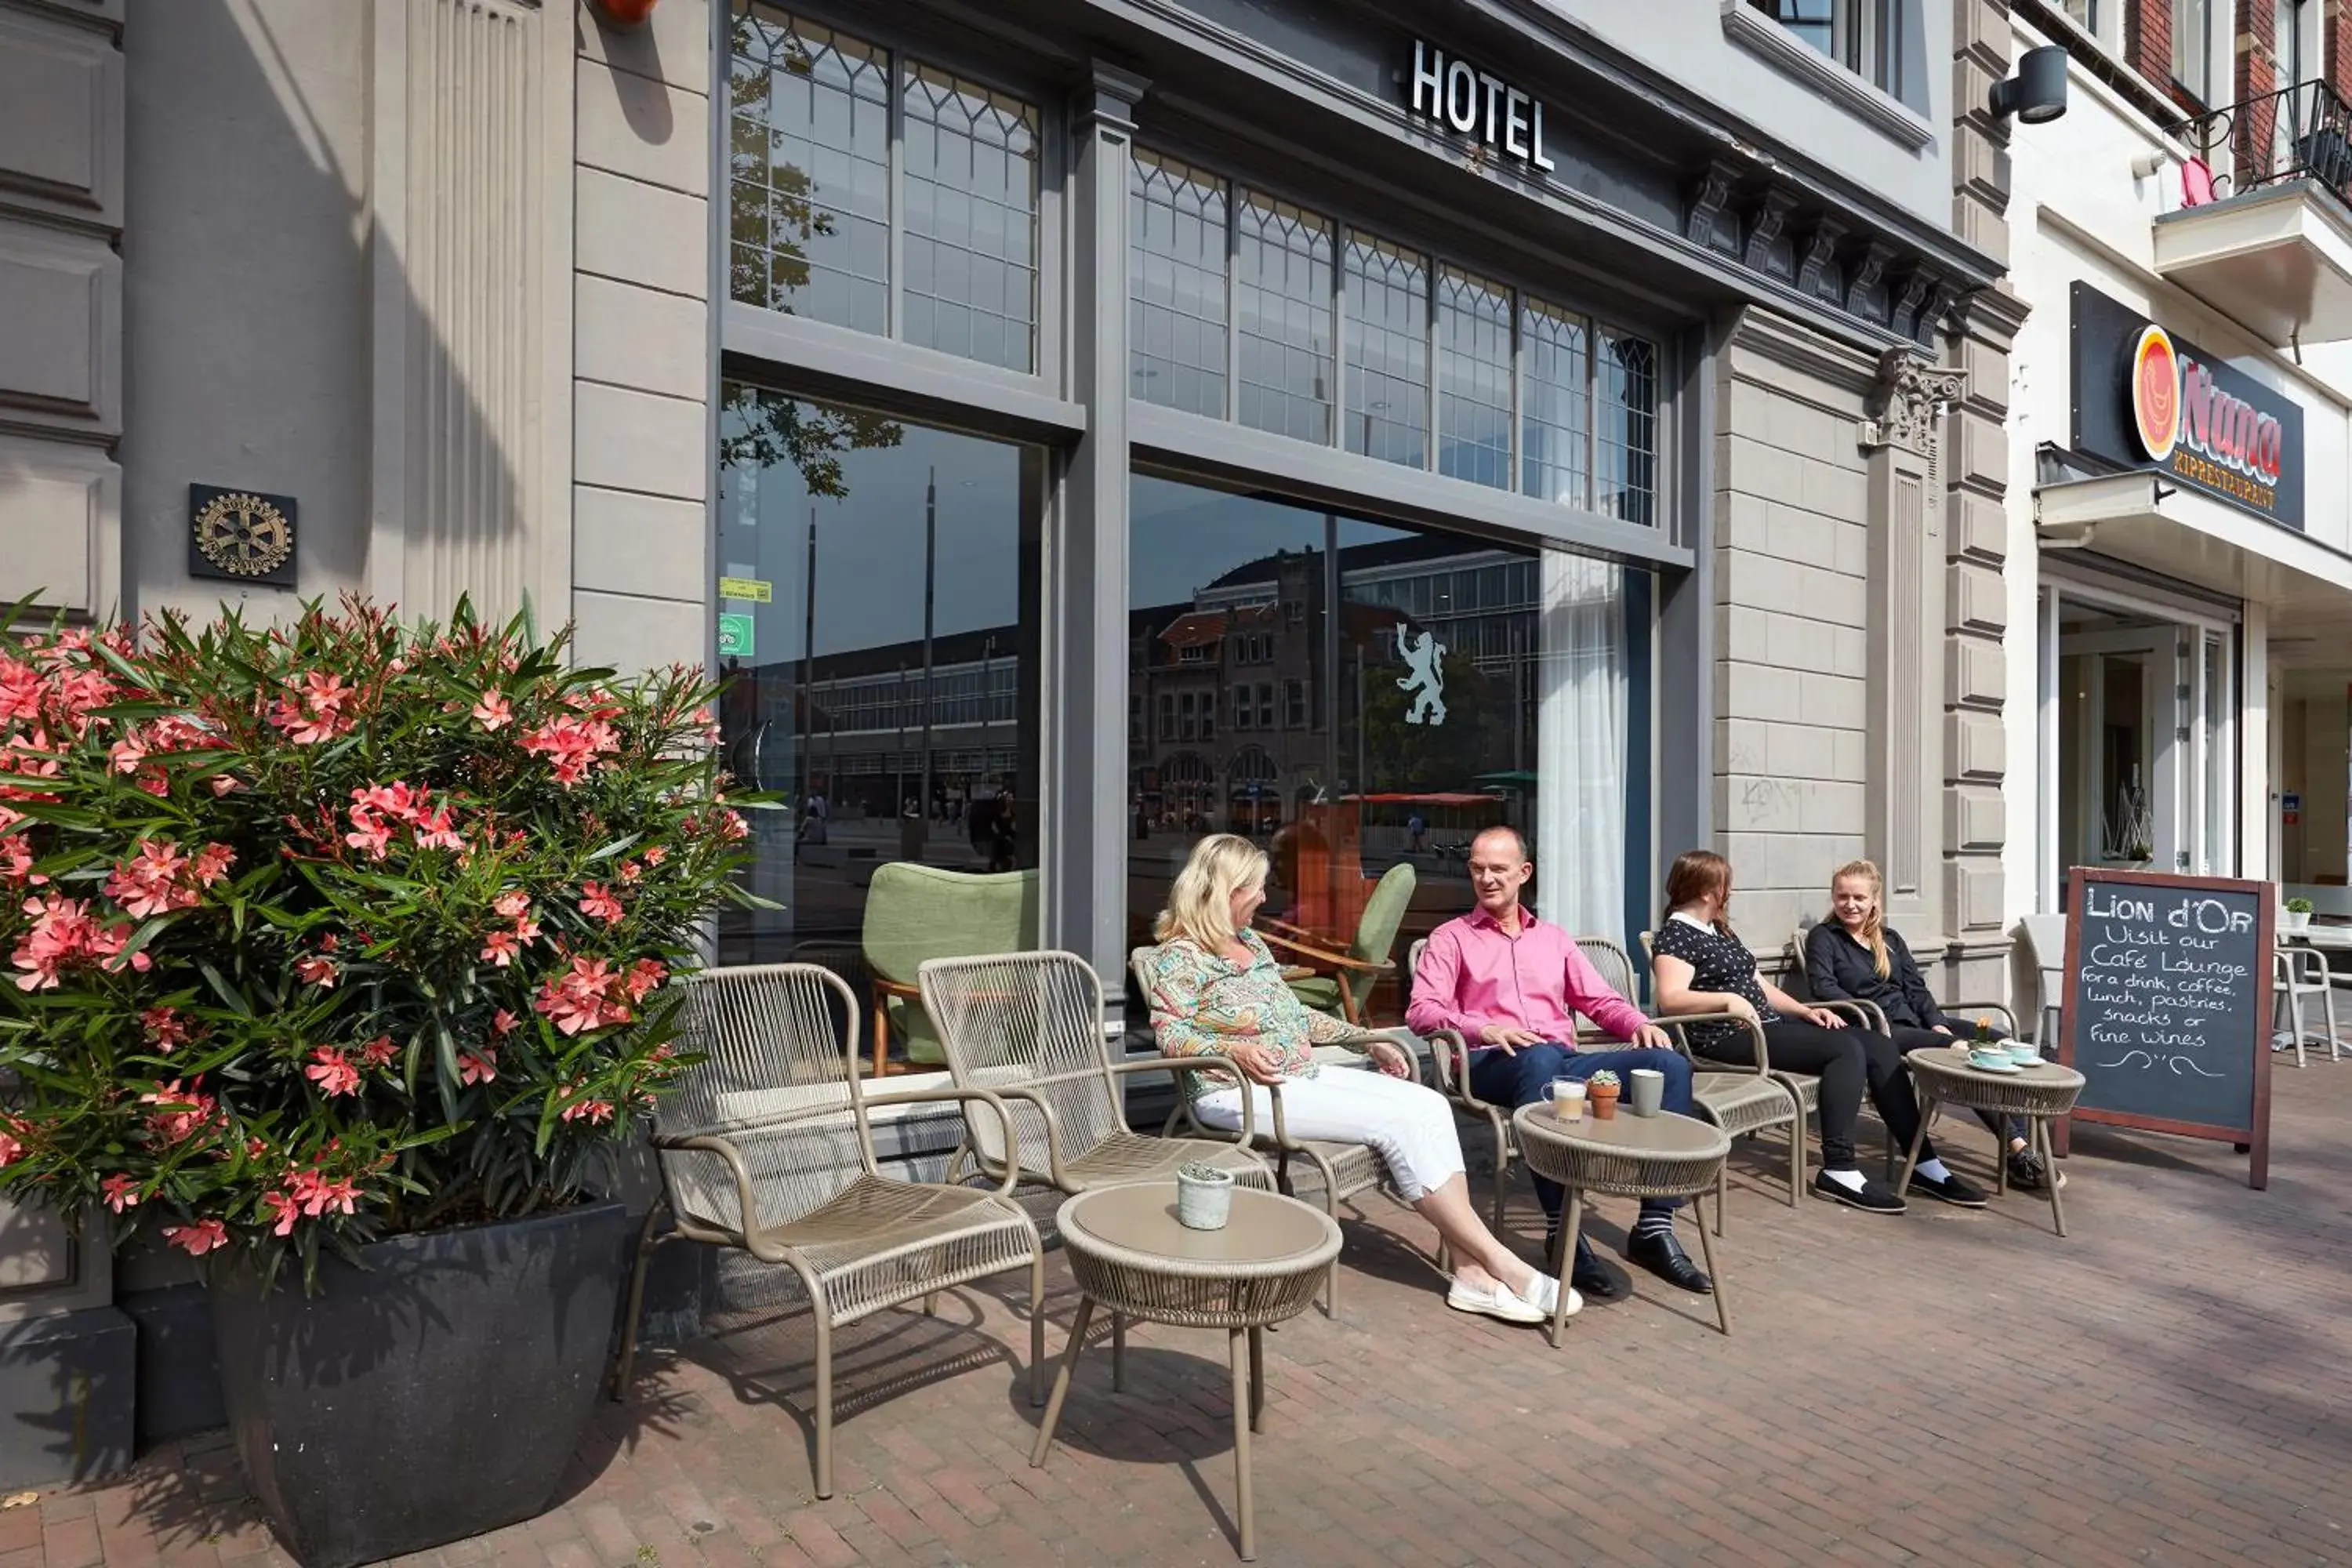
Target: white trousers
{"x":1409,"y":1125}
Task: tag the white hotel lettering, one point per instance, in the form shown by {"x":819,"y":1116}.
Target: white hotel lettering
{"x":1457,"y":95}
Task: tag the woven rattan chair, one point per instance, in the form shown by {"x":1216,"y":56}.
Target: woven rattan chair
{"x":1738,"y":1100}
{"x":765,"y":1147}
{"x":1028,"y":1027}
{"x":1317,"y":1169}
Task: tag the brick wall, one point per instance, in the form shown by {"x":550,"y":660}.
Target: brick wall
{"x":2148,"y":41}
{"x":2335,"y":46}
{"x":2255,"y":75}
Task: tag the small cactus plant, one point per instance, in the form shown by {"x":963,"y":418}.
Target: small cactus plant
{"x":1203,"y":1171}
{"x":1604,"y":1079}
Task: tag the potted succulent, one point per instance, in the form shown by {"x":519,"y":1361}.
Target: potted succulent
{"x":1601,"y":1091}
{"x":1204,"y":1196}
{"x":339,"y":953}
{"x":2297,"y":919}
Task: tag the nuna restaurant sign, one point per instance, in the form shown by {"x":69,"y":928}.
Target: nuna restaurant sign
{"x":1452,"y":94}
{"x":2146,"y":399}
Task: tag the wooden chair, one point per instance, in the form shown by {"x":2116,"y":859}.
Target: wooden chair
{"x":765,"y":1147}
{"x":1344,"y":981}
{"x":914,"y":912}
{"x":1333,"y":1171}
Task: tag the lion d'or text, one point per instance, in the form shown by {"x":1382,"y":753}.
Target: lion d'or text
{"x":1457,"y":95}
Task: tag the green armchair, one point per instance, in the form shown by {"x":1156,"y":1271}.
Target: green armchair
{"x":916,"y":912}
{"x":1342,"y":982}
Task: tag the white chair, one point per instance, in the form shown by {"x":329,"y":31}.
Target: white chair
{"x":2297,"y":973}
{"x":2043,"y":940}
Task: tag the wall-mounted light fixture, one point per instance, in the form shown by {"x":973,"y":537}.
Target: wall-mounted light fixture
{"x":2037,"y":93}
{"x":626,"y":14}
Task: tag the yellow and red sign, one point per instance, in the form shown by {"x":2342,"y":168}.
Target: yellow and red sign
{"x":2155,"y":394}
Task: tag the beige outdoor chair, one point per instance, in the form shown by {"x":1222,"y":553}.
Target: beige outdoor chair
{"x":2298,"y":972}
{"x":1028,"y":1028}
{"x":1330,"y":1172}
{"x":765,"y":1147}
{"x":2043,"y":941}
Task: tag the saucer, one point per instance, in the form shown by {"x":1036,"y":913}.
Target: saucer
{"x":2005,"y":1068}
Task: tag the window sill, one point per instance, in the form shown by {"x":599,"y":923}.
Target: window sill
{"x":1759,"y":35}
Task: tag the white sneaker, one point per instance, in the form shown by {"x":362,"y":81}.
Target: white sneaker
{"x":1495,"y":1300}
{"x":1543,"y":1294}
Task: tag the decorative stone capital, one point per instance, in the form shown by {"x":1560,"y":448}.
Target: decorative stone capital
{"x":1108,"y":99}
{"x":1912,"y":392}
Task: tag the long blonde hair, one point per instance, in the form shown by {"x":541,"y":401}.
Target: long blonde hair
{"x":1201,"y":903}
{"x":1874,"y":925}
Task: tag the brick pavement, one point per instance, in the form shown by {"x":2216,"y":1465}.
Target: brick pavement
{"x":2169,"y":1385}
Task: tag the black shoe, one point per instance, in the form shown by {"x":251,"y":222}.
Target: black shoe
{"x":1870,"y":1196}
{"x":1954,"y":1189}
{"x":1662,"y":1256}
{"x":1586,"y":1276}
{"x":2027,"y":1174}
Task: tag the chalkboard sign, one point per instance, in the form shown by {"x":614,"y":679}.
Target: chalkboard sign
{"x":2168,"y":1012}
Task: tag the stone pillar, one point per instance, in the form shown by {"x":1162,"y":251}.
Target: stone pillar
{"x":61,"y":198}
{"x":1085,"y":906}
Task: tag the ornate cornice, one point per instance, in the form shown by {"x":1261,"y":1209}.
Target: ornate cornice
{"x":1912,"y":394}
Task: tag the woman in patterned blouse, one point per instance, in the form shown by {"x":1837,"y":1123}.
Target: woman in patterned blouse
{"x":1216,"y":990}
{"x":1702,"y":967}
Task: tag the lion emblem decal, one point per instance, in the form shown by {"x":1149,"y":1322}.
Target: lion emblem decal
{"x":1426,"y":684}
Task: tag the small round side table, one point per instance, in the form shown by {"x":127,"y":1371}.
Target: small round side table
{"x":1627,"y":1156}
{"x":2041,"y":1094}
{"x":1132,"y":1256}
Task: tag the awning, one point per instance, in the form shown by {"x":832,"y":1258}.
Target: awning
{"x":2142,"y":519}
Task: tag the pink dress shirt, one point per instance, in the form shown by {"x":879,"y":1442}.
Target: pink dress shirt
{"x":1473,"y":974}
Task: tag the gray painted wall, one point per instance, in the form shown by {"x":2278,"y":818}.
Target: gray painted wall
{"x":1685,"y":42}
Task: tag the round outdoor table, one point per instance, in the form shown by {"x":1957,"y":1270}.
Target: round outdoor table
{"x":2039,"y":1094}
{"x":1133,"y":1258}
{"x":1627,"y":1156}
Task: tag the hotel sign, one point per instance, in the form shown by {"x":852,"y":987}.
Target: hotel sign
{"x":1456,"y":95}
{"x":2146,"y":399}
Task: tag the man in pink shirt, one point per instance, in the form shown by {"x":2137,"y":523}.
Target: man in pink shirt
{"x":1511,"y":986}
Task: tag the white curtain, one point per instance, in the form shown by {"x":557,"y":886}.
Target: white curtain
{"x":1581,"y":805}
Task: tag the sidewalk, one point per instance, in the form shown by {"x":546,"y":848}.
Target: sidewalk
{"x":2168,"y":1385}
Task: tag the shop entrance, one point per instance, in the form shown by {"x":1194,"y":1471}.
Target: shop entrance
{"x":2139,"y":759}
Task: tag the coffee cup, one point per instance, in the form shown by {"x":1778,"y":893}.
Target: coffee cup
{"x":1989,"y":1057}
{"x":2024,"y":1054}
{"x":1567,"y":1099}
{"x":1647,"y":1091}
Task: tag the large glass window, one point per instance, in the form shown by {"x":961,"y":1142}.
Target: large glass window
{"x":1427,"y":684}
{"x":878,"y":618}
{"x":1473,"y":379}
{"x":1284,"y":258}
{"x":1178,"y":281}
{"x":1863,"y":35}
{"x":1626,"y":438}
{"x":2192,"y":46}
{"x":1388,"y":352}
{"x":820,"y":124}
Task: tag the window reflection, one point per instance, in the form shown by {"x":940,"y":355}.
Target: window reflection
{"x":1386,"y":692}
{"x":882,"y":664}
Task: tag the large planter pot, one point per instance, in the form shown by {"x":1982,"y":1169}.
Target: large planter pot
{"x":432,"y":1396}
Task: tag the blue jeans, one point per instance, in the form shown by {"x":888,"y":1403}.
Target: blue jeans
{"x":1524,"y":1077}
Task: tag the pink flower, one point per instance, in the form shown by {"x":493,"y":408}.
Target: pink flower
{"x":580,"y":999}
{"x":315,"y":972}
{"x":317,"y":1192}
{"x":128,"y":752}
{"x":319,"y":715}
{"x":179,"y":1114}
{"x":368,"y":834}
{"x":499,"y":948}
{"x":597,"y":1112}
{"x":572,"y":744}
{"x":477,"y":1066}
{"x":165,"y":1029}
{"x":435,"y":831}
{"x":331,"y":1072}
{"x":16,"y":862}
{"x":11,"y":1151}
{"x":379,"y":1052}
{"x":222,"y":783}
{"x":149,"y":883}
{"x":656,"y":855}
{"x":199,"y":1238}
{"x":212,"y":863}
{"x":644,"y":975}
{"x":631,"y":871}
{"x":287,"y":1210}
{"x":504,"y":1023}
{"x":493,"y":711}
{"x":121,"y":1192}
{"x":65,"y":932}
{"x":513,"y":904}
{"x":598,"y":904}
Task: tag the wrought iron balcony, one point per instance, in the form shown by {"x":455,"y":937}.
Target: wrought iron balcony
{"x":2263,"y":233}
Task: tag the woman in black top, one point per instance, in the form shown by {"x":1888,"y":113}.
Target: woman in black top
{"x":1854,"y":956}
{"x":1702,"y":967}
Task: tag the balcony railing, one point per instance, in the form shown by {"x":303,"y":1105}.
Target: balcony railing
{"x":2303,"y":131}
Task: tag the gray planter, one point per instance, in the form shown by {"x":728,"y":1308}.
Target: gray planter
{"x":434,"y":1395}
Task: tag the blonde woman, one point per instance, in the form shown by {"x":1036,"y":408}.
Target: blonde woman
{"x":1215,"y":990}
{"x":1856,"y":956}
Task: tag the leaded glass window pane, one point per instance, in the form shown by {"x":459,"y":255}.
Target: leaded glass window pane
{"x":1388,"y":352}
{"x":1626,"y":484}
{"x":809,"y":150}
{"x":1177,"y":284}
{"x":1284,"y":257}
{"x":1555,"y":419}
{"x":972,"y":220}
{"x":1473,"y":379}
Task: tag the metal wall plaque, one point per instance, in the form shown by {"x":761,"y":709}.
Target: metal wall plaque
{"x":241,"y":536}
